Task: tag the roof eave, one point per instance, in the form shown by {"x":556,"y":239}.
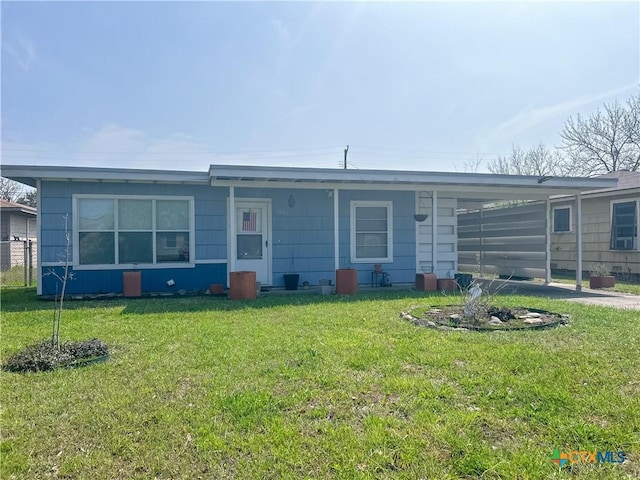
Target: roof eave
{"x":28,"y":174}
{"x":324,"y":175}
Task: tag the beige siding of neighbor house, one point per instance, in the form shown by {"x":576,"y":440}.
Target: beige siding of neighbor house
{"x":22,"y":227}
{"x":596,"y":237}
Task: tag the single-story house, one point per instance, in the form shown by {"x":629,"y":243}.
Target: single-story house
{"x":609,"y":230}
{"x":195,"y":227}
{"x":510,"y":239}
{"x":17,"y":226}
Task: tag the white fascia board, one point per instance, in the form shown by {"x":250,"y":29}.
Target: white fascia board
{"x":275,"y":175}
{"x":490,"y":193}
{"x":27,"y":174}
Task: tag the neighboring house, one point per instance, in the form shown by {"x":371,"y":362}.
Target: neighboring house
{"x":17,"y":226}
{"x":610,"y":227}
{"x":513,"y":240}
{"x":195,"y":227}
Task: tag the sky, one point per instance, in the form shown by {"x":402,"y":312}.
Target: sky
{"x":418,"y":85}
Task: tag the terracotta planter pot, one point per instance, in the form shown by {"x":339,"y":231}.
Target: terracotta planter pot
{"x":132,"y":284}
{"x":447,"y":285}
{"x":346,"y":281}
{"x":602,"y":282}
{"x":426,"y":282}
{"x":216,"y":289}
{"x":242,"y":285}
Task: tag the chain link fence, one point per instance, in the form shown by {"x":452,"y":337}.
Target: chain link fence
{"x":18,"y":262}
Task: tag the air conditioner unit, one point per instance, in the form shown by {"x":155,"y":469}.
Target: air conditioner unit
{"x":624,"y":244}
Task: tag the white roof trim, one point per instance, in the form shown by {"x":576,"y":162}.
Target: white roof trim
{"x":275,"y":175}
{"x":312,"y":178}
{"x":28,"y":174}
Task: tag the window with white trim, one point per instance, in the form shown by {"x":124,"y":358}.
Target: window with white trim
{"x":132,"y":230}
{"x":371,"y":231}
{"x":562,"y":219}
{"x":624,"y":225}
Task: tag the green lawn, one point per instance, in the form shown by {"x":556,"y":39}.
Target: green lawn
{"x":307,"y":386}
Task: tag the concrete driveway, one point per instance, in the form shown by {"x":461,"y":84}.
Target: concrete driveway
{"x":563,"y":291}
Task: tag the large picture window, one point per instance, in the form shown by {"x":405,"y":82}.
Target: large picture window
{"x":371,"y":231}
{"x":624,"y":225}
{"x":132,"y":230}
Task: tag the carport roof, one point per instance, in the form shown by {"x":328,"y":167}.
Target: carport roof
{"x":473,"y":188}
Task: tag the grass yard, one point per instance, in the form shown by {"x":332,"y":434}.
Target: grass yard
{"x":307,"y":386}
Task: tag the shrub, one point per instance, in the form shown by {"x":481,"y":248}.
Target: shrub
{"x":45,"y":356}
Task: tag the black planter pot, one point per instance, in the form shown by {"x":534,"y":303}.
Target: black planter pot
{"x":463,"y":280}
{"x":291,"y":281}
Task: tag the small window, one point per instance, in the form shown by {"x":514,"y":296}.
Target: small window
{"x":562,"y":220}
{"x":371,"y":232}
{"x":624,"y":226}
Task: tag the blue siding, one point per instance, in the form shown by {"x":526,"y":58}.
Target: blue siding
{"x":153,"y":279}
{"x":403,"y":268}
{"x":304,"y":232}
{"x":210,"y":212}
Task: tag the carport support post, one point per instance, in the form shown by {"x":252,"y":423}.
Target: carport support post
{"x":547,"y":243}
{"x":578,"y":242}
{"x":481,"y":252}
{"x":434,"y":231}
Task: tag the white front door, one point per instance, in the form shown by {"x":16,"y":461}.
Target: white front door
{"x":253,"y":238}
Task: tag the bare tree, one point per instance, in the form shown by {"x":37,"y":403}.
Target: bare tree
{"x":29,"y":199}
{"x":471,"y":165}
{"x":10,"y":190}
{"x":607,"y":141}
{"x":537,"y":161}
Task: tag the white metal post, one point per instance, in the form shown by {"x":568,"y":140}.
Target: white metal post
{"x":39,"y":239}
{"x":434,"y":231}
{"x":578,"y":242}
{"x":547,"y":242}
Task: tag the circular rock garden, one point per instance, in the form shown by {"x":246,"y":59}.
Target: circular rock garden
{"x":452,"y":317}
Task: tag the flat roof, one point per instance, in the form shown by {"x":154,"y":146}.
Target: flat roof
{"x":476,"y":188}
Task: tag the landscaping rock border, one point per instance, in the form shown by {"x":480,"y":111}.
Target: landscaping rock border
{"x":530,"y":319}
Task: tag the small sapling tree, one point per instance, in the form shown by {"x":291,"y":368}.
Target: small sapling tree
{"x":62,"y":278}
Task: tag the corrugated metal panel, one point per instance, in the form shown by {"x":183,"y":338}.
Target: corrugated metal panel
{"x":504,"y":241}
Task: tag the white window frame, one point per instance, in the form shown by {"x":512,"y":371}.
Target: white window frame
{"x":553,"y":219}
{"x":371,"y":203}
{"x":138,"y":266}
{"x":637,"y":237}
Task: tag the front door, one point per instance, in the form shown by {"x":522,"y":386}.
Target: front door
{"x":253,"y":248}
